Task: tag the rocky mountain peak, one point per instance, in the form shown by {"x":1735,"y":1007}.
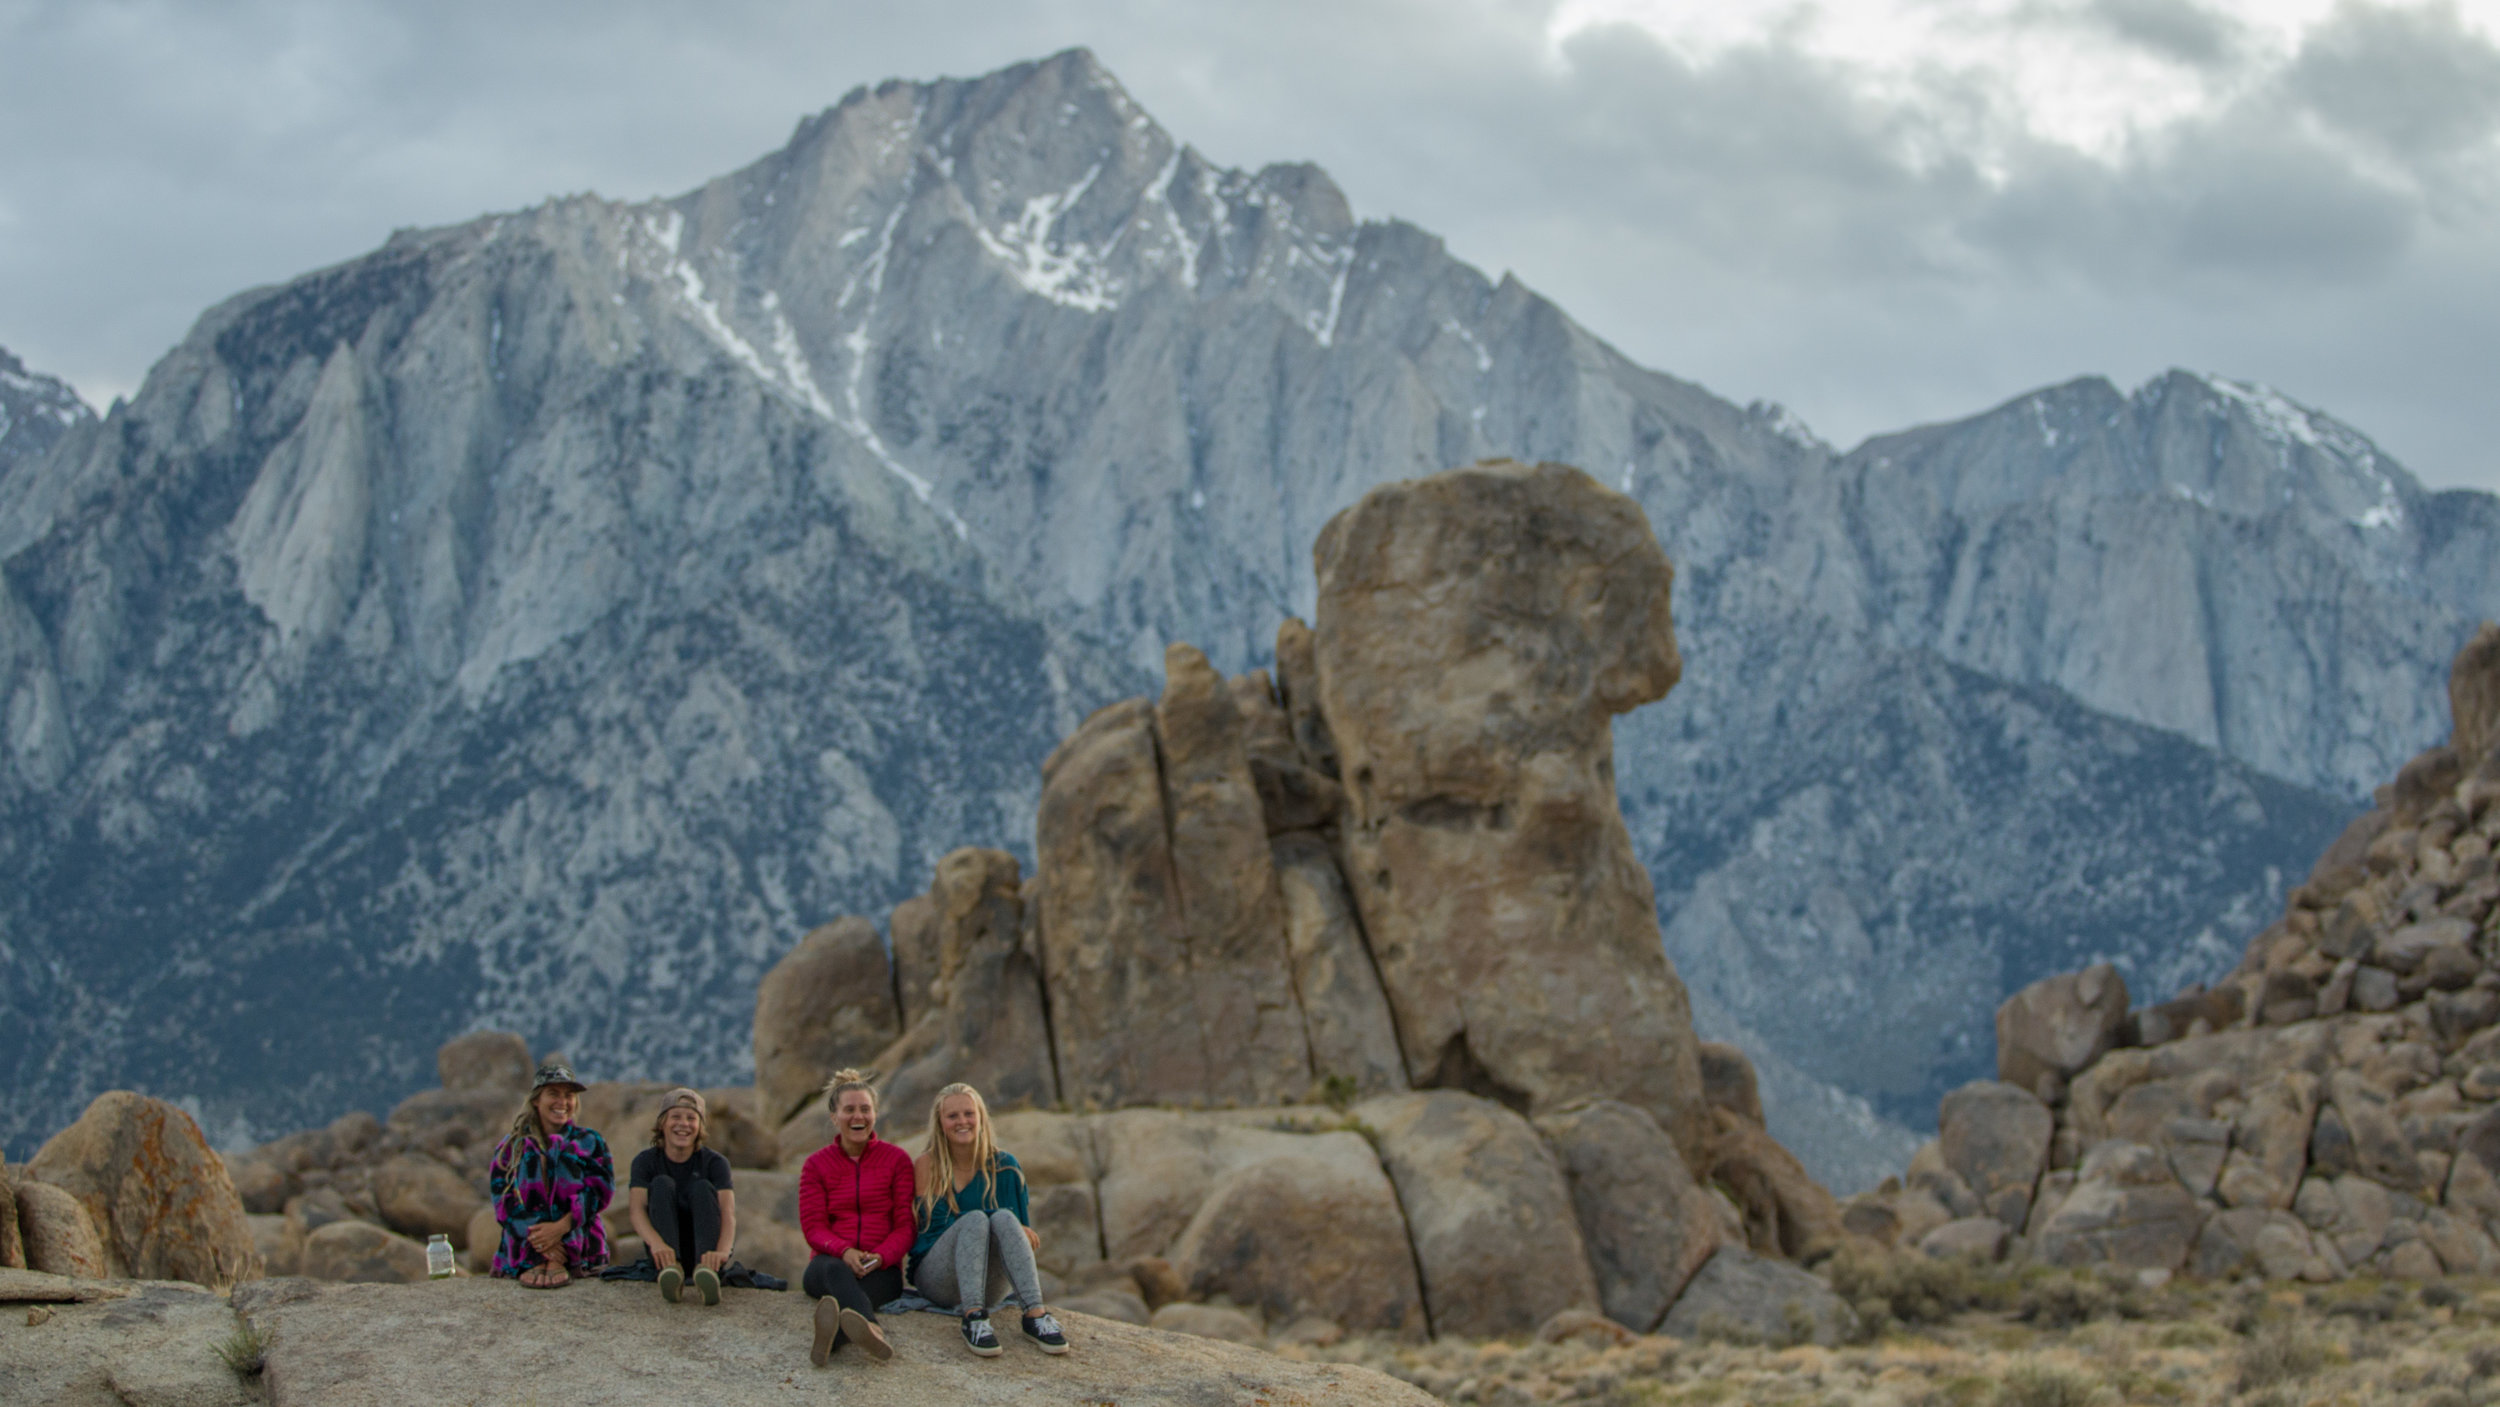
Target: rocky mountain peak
{"x":35,"y":411}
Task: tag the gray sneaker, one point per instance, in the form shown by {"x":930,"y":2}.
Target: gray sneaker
{"x":672,"y":1284}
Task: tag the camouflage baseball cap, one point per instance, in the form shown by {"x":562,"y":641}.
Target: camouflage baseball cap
{"x":555,"y":1072}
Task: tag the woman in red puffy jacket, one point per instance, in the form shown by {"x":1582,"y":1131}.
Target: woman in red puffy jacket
{"x":855,"y":1208}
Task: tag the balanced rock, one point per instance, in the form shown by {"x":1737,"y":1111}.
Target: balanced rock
{"x":1750,"y":1298}
{"x":60,"y":1236}
{"x":493,"y":1062}
{"x":2058,"y":1025}
{"x":1476,"y":632}
{"x":1487,"y":1209}
{"x":1647,"y":1225}
{"x":828,"y":1004}
{"x":981,"y":1021}
{"x":160,"y":1199}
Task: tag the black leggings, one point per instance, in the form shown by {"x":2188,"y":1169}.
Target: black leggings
{"x":701,"y":1231}
{"x":831,"y":1275}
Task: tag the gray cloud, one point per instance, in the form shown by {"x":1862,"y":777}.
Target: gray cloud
{"x":1761,"y":221}
{"x":2179,"y":30}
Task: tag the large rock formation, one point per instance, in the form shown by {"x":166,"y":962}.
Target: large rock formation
{"x":1477,"y":632}
{"x":2332,"y":1108}
{"x":160,"y":1199}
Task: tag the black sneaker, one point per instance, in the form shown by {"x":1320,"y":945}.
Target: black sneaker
{"x":706,"y":1283}
{"x":672,"y":1284}
{"x":980,"y":1337}
{"x":1043,"y":1330}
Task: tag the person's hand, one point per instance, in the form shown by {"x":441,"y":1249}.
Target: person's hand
{"x":861,"y":1262}
{"x":1034,"y":1237}
{"x":662,"y":1256}
{"x":548,"y":1235}
{"x":716,"y":1261}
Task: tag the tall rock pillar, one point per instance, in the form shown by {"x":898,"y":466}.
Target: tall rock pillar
{"x":1476,"y":633}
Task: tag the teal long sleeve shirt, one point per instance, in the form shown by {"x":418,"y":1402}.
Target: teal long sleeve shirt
{"x":1006,"y":1192}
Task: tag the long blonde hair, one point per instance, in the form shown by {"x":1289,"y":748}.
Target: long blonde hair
{"x":934,"y":1170}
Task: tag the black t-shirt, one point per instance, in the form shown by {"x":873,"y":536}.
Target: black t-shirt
{"x":706,"y":1163}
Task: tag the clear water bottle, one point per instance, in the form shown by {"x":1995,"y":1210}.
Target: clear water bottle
{"x":438,"y":1257}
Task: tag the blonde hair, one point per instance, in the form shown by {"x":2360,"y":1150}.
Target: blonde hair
{"x":528,"y":1130}
{"x":934,"y":1170}
{"x":702,"y":1118}
{"x":843,"y":1082}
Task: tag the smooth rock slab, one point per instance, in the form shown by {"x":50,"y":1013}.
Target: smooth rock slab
{"x":470,"y":1340}
{"x":140,"y":1344}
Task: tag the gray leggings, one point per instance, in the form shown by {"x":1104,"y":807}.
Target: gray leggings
{"x":962,"y":1257}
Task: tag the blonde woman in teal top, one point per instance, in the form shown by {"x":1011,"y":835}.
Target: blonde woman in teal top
{"x":976,"y":1233}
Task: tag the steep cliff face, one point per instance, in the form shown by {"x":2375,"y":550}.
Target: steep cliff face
{"x":543,"y":621}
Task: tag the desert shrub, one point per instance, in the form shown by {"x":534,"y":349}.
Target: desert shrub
{"x":1961,"y":1390}
{"x":244,"y":1350}
{"x":2047,"y":1385}
{"x":2062,"y":1301}
{"x":2374,"y":1307}
{"x":2484,"y":1359}
{"x":2193,"y":1333}
{"x":2441,"y":1295}
{"x":2278,"y":1354}
{"x":1888,"y":1289}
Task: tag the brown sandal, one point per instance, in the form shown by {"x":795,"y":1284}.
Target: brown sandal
{"x":551,"y":1276}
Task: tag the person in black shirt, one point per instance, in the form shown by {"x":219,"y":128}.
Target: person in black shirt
{"x":681,"y":1202}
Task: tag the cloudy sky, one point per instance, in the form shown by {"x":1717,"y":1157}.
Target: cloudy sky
{"x":1877,"y":212}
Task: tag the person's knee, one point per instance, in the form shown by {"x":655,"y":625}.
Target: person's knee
{"x":701,"y":1186}
{"x":663,"y":1188}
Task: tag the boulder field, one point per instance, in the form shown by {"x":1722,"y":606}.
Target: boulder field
{"x":2329,"y":1108}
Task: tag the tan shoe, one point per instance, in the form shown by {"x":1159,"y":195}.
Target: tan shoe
{"x":862,"y":1330}
{"x":828,"y":1324}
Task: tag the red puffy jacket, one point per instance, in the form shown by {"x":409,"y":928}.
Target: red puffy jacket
{"x":864,"y":1203}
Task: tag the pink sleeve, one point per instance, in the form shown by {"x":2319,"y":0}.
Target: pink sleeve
{"x":814,"y":1224}
{"x":898,"y":1239}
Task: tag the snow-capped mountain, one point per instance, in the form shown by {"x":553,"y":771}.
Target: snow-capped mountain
{"x":35,"y":411}
{"x":542,"y":621}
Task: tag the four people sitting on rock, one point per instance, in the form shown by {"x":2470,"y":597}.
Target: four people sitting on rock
{"x":959,"y":1216}
{"x":551,"y":1179}
{"x":680,"y":1199}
